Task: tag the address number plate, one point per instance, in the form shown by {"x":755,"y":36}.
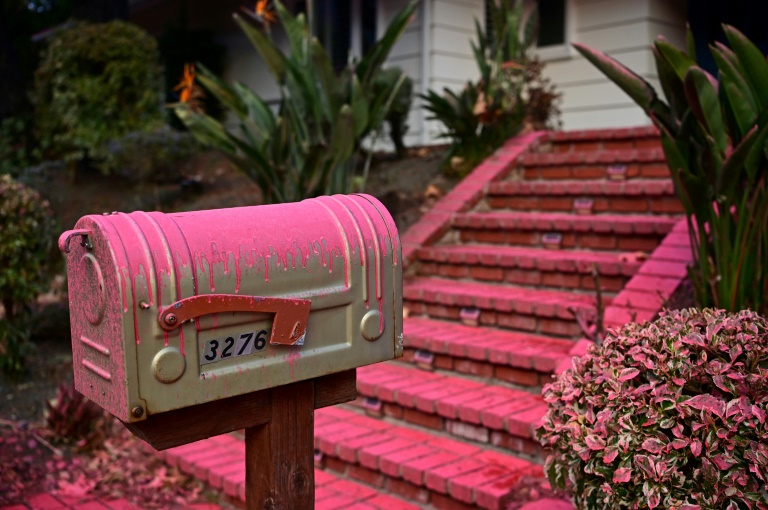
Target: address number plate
{"x":233,"y":346}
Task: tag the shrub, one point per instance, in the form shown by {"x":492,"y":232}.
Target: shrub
{"x":309,"y":146}
{"x":509,"y":94}
{"x":73,"y":419}
{"x":17,"y":147}
{"x":670,"y":414}
{"x":27,"y":231}
{"x":715,"y":137}
{"x":96,"y":82}
{"x":156,"y":156}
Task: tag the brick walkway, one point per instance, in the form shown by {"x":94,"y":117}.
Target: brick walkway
{"x":58,"y":502}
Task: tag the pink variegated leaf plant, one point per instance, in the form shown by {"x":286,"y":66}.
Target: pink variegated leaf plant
{"x":670,"y":414}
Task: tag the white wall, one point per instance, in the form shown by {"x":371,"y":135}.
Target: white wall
{"x":408,"y":55}
{"x":624,"y":29}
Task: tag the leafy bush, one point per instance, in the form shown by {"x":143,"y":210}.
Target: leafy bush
{"x":308,"y":147}
{"x":670,"y":414}
{"x":75,"y":420}
{"x":96,"y":82}
{"x":27,"y":231}
{"x":156,"y":156}
{"x":509,"y":93}
{"x":397,"y":117}
{"x":17,"y":149}
{"x":714,"y":136}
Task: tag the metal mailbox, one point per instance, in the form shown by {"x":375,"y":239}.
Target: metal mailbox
{"x":174,"y":310}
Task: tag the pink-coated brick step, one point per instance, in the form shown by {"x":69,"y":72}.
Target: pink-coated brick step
{"x":592,"y":157}
{"x":646,"y":196}
{"x":512,"y":307}
{"x":220,"y":462}
{"x":500,"y":349}
{"x":526,"y":266}
{"x":418,"y":465}
{"x":645,"y":187}
{"x":564,"y":222}
{"x":627,"y":133}
{"x":453,"y":400}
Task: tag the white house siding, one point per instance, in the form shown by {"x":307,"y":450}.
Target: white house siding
{"x":408,"y":55}
{"x":451,"y":32}
{"x":625,"y":29}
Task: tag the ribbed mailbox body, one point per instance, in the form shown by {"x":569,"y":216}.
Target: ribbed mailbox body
{"x":173,"y":310}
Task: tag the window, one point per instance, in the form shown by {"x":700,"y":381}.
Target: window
{"x":344,"y":26}
{"x":551,"y":23}
{"x":552,"y":36}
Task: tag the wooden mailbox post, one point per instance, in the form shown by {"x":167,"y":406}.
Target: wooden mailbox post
{"x":190,"y":325}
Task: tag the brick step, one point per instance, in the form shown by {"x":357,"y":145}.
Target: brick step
{"x":563,"y":269}
{"x":467,"y":409}
{"x":506,"y":306}
{"x":646,"y":137}
{"x":422,"y":467}
{"x":613,"y":165}
{"x":649,"y":196}
{"x":561,"y":230}
{"x":521,"y":359}
{"x":524,"y":359}
{"x":220,"y":462}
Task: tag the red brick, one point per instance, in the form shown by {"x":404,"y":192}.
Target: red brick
{"x":442,"y":502}
{"x":415,"y":469}
{"x":570,"y":281}
{"x":636,"y":243}
{"x":369,"y":455}
{"x":467,"y":431}
{"x":442,"y":362}
{"x":629,"y":205}
{"x":463,"y":487}
{"x":407,"y":490}
{"x":598,"y":242}
{"x":494,"y":417}
{"x":437,"y":478}
{"x":351,"y":489}
{"x":393,"y":411}
{"x":384,"y":502}
{"x":366,"y":475}
{"x":334,"y":502}
{"x":391,"y":463}
{"x":431,"y":421}
{"x":515,"y":321}
{"x":516,"y":376}
{"x":555,"y":204}
{"x":658,"y":170}
{"x":503,"y":440}
{"x":348,"y":449}
{"x":522,"y":424}
{"x":466,"y":366}
{"x":336,"y":465}
{"x":495,"y":274}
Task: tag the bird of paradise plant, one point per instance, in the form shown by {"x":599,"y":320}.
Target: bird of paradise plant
{"x":308,"y":145}
{"x":190,"y":92}
{"x":714,"y":132}
{"x":265,"y":13}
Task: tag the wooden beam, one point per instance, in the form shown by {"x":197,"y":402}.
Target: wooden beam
{"x":190,"y":424}
{"x":279,"y":456}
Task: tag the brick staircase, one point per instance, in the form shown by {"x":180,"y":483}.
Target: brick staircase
{"x":495,"y":274}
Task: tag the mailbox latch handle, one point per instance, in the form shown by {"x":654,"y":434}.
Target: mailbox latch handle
{"x":291,"y":315}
